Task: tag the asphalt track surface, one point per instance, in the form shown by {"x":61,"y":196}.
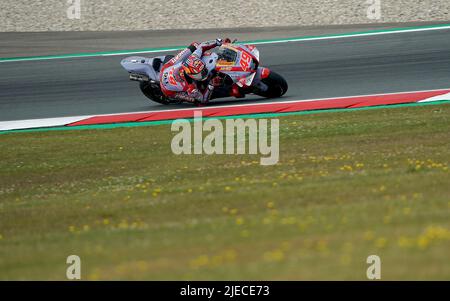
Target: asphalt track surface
{"x":314,"y":69}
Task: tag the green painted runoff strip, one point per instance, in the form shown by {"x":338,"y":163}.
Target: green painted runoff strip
{"x":263,"y":115}
{"x":255,"y":42}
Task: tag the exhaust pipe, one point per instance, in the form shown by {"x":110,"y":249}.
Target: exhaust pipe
{"x":139,"y":77}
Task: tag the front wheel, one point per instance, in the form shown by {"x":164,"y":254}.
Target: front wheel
{"x":277,"y":86}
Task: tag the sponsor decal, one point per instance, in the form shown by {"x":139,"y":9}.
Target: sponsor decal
{"x":172,"y":78}
{"x":245,"y":61}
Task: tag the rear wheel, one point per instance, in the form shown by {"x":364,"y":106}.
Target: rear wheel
{"x":152,"y":89}
{"x":277,"y":86}
{"x":153,"y":92}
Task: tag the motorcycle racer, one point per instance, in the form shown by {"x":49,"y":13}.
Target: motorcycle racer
{"x":233,"y":70}
{"x":181,"y":76}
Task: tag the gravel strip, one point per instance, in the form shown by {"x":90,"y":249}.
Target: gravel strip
{"x":113,"y":15}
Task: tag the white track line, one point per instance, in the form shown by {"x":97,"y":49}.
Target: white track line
{"x":299,"y":39}
{"x":273,"y":102}
{"x":341,"y":36}
{"x":39,"y":123}
{"x":61,"y":121}
{"x":437,"y":98}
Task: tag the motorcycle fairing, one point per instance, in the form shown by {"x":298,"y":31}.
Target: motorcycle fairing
{"x":142,"y":66}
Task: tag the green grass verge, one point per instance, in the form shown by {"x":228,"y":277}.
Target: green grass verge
{"x":348,"y":185}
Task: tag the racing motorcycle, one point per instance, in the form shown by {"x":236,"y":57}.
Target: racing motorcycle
{"x":235,"y":68}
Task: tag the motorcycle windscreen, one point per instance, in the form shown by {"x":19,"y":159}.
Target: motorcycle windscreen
{"x":227,"y":56}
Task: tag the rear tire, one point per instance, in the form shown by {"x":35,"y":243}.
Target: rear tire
{"x":153,"y":92}
{"x":277,"y":86}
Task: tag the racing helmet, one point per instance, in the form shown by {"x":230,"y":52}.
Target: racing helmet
{"x":195,"y":68}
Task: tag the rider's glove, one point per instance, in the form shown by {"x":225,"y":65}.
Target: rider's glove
{"x":219,"y":42}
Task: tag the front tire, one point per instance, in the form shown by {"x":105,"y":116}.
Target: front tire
{"x":277,"y":86}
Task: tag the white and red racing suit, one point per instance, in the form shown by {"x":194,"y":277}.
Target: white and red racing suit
{"x":175,"y":85}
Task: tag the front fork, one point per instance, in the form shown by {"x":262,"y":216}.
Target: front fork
{"x":239,"y":92}
{"x":261,"y":74}
{"x":260,"y":86}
